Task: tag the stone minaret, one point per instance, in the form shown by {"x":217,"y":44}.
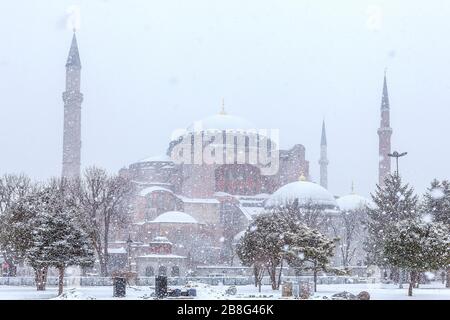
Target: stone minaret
{"x":384,"y":137}
{"x":323,"y":161}
{"x":72,"y":98}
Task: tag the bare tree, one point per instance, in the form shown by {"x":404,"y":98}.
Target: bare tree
{"x":105,"y":203}
{"x":12,"y":188}
{"x":347,"y":228}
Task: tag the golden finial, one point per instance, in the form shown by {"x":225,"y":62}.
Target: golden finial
{"x":302,"y":177}
{"x":222,"y":111}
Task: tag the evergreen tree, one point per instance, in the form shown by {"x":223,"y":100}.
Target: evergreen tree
{"x":417,"y":246}
{"x":436,"y":205}
{"x":44,"y":231}
{"x":393,"y":202}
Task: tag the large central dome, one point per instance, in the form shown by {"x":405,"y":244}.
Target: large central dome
{"x":220,"y":122}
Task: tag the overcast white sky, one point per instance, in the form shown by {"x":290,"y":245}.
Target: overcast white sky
{"x":150,"y":67}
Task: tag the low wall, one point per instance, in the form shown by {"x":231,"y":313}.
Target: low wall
{"x":179,"y":281}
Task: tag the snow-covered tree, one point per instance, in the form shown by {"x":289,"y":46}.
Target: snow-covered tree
{"x":393,"y":202}
{"x":43,"y":229}
{"x":105,"y":204}
{"x":262,"y":246}
{"x":417,"y":246}
{"x":308,"y":249}
{"x":310,"y":213}
{"x":436,"y":207}
{"x":280,"y":235}
{"x":57,"y":238}
{"x":12,"y":188}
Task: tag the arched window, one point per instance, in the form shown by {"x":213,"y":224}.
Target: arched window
{"x":149,"y":271}
{"x":175,"y":271}
{"x":162,"y":271}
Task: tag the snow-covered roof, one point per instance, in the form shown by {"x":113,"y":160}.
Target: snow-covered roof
{"x":162,"y":256}
{"x":160,"y":239}
{"x":353,"y":202}
{"x":149,"y":190}
{"x":222,"y":194}
{"x":306,"y":192}
{"x":198,"y":200}
{"x":158,"y":158}
{"x":174,"y":217}
{"x":238,"y":236}
{"x":117,"y":250}
{"x":251,"y":212}
{"x":220,"y":122}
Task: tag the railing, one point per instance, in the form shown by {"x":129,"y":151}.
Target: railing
{"x":179,"y":281}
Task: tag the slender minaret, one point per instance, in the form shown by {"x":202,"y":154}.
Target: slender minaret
{"x":72,"y":98}
{"x":323,"y":161}
{"x":384,"y":137}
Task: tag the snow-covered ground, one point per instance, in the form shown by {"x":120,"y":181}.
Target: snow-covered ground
{"x":434,"y":291}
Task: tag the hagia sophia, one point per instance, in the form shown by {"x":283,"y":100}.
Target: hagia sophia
{"x":189,"y":216}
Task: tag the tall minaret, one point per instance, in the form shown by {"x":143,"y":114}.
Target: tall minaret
{"x":323,"y":161}
{"x":384,"y":137}
{"x":72,"y":98}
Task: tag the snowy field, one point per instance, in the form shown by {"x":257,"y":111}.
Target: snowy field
{"x":435,"y":291}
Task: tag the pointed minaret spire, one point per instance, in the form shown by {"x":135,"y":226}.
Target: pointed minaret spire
{"x":74,"y":57}
{"x":222,"y":110}
{"x":385,"y":97}
{"x":72,"y":98}
{"x":384,"y":136}
{"x":323,"y":140}
{"x":323,"y":161}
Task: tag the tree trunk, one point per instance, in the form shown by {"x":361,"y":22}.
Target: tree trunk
{"x":411,"y":283}
{"x":315,"y":280}
{"x":279,"y":275}
{"x":61,"y":280}
{"x":41,"y":278}
{"x":315,"y":276}
{"x":272,"y":273}
{"x":448,"y":278}
{"x":256,"y":275}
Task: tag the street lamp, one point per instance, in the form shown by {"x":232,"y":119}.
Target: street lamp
{"x":397,"y":155}
{"x":129,"y":242}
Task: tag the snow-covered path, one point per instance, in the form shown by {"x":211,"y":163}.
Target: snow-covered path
{"x":435,"y":291}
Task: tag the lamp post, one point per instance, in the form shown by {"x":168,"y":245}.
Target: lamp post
{"x":129,"y":242}
{"x":397,"y":155}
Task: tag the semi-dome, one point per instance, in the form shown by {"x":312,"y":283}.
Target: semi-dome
{"x":157,"y":158}
{"x":353,"y":202}
{"x":304,"y":192}
{"x":221,"y":122}
{"x":174,"y":217}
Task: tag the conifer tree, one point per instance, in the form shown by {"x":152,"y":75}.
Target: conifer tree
{"x":417,"y":246}
{"x":394,"y":202}
{"x":436,"y":205}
